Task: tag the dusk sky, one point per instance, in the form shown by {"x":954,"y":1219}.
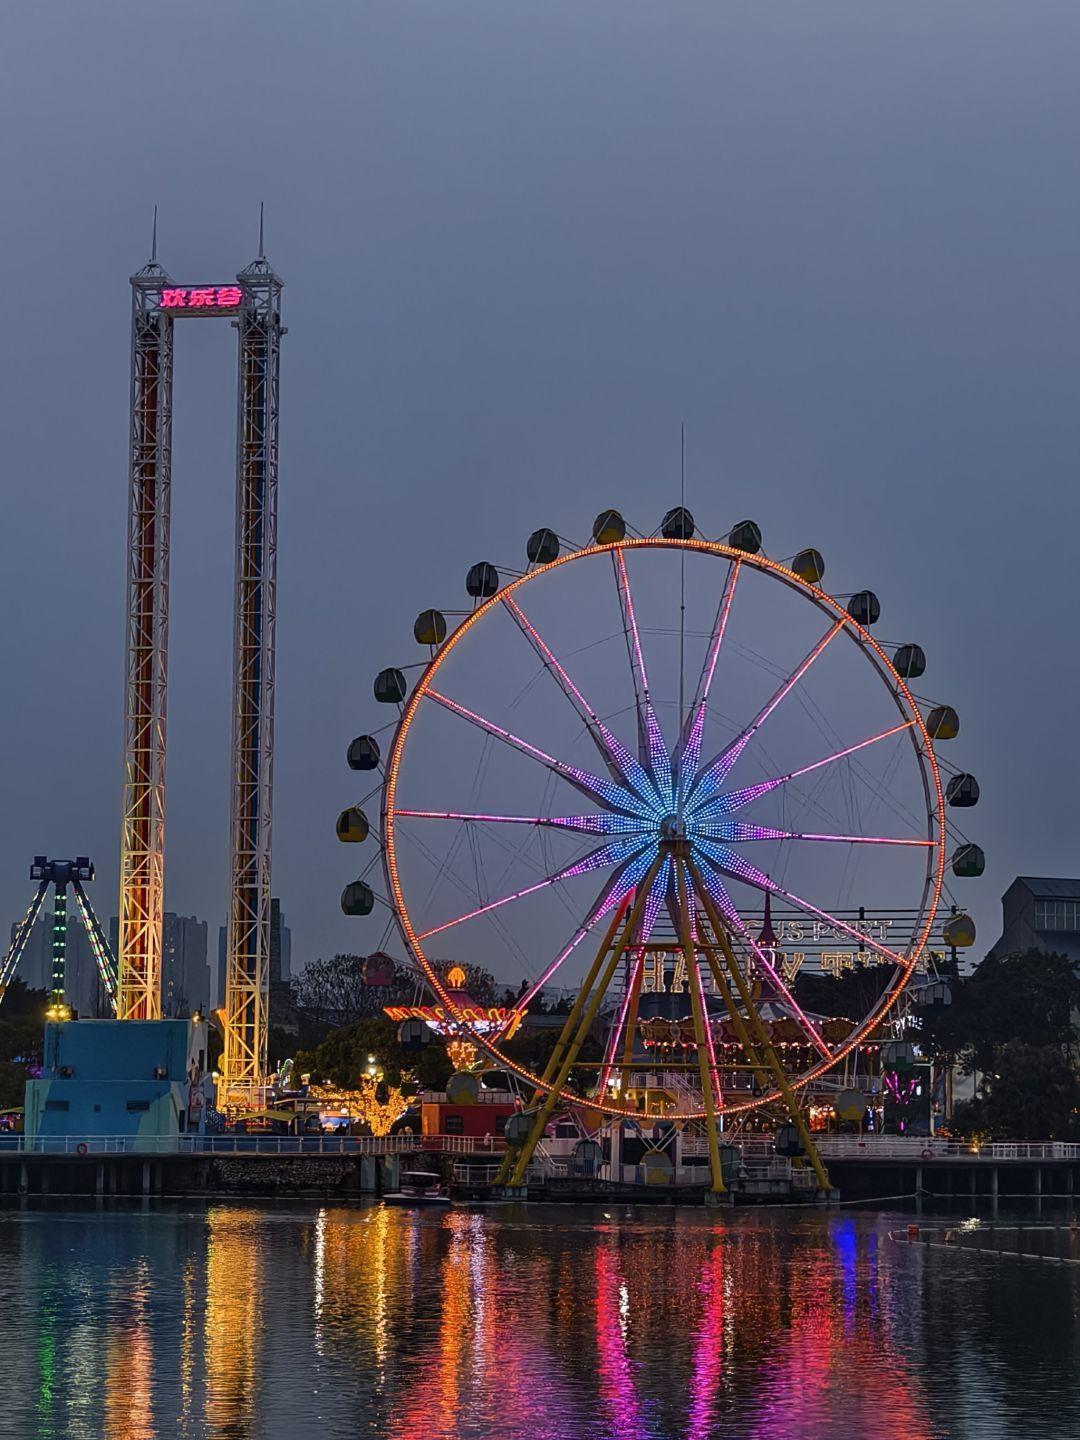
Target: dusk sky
{"x":522,"y":244}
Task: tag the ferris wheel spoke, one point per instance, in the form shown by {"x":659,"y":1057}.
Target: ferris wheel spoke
{"x":694,"y":725}
{"x":603,"y":823}
{"x":736,"y":868}
{"x":710,"y":875}
{"x":733,"y":832}
{"x":611,"y":854}
{"x":684,"y":913}
{"x":736,"y":799}
{"x":625,"y":879}
{"x":713,"y":775}
{"x":629,"y":771}
{"x":653,"y":901}
{"x":605,"y":792}
{"x":651,"y":745}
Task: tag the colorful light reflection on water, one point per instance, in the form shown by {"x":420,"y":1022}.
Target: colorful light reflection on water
{"x":515,"y":1324}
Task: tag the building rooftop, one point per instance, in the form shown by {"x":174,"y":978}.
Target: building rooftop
{"x":1046,"y":888}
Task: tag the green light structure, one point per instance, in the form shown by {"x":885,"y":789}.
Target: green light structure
{"x":61,"y":874}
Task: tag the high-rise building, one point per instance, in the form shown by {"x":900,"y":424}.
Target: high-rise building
{"x":35,"y":967}
{"x":185,"y":973}
{"x":280,"y":944}
{"x":82,"y":984}
{"x":282,"y":1006}
{"x":222,"y":961}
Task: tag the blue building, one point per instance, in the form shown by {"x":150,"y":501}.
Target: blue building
{"x":140,"y":1079}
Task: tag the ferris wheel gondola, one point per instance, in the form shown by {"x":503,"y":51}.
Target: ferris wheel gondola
{"x":670,"y":832}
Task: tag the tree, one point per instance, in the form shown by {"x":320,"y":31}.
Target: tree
{"x":22,"y":1025}
{"x":341,"y":1057}
{"x":532,"y":1048}
{"x":1029,"y":999}
{"x":850,"y":995}
{"x":1033,"y":1093}
{"x":334,"y":991}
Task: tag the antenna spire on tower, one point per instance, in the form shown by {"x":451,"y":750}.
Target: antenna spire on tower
{"x":153,"y":242}
{"x":262,"y":252}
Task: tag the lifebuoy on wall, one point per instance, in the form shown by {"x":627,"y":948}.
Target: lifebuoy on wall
{"x":82,"y":1148}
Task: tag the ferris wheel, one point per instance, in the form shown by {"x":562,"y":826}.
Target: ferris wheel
{"x":617,"y":771}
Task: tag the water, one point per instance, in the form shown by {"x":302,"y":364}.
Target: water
{"x":522,"y":1324}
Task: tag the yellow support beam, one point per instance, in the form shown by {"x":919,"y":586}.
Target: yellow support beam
{"x":584,"y":1026}
{"x":556,"y":1056}
{"x":765,"y":1044}
{"x":700,"y":1022}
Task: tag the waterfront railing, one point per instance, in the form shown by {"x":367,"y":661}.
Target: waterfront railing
{"x":233,"y":1144}
{"x":925,"y":1147}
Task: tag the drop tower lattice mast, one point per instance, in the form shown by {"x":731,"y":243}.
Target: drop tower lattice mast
{"x":248,"y":952}
{"x":255,"y":302}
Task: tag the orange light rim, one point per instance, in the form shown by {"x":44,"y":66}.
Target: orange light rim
{"x":858,"y":632}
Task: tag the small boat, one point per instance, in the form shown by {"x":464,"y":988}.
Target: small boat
{"x":418,"y":1187}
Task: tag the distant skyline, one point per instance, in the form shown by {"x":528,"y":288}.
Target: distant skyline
{"x":521,"y":246}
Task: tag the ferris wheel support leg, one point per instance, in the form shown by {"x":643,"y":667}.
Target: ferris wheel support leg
{"x":757,"y":1065}
{"x":563,"y":1042}
{"x":687,"y":941}
{"x":585,"y":1025}
{"x":565,"y":1035}
{"x":764,"y":1043}
{"x":632,"y":1016}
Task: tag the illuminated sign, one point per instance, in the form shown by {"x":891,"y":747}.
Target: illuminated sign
{"x":484,"y":1019}
{"x":820,"y":947}
{"x":204,"y":299}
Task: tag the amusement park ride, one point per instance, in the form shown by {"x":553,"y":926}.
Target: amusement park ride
{"x":669,"y":826}
{"x":60,"y":874}
{"x":253,"y":305}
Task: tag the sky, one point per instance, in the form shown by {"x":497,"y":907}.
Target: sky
{"x":522,"y":245}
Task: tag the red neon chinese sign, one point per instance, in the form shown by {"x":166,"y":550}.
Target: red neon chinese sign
{"x":212,"y":299}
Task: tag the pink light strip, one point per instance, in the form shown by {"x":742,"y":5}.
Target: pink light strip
{"x":609,"y":745}
{"x":631,"y":620}
{"x":752,"y":876}
{"x":648,"y":920}
{"x":685,"y":899}
{"x":591,"y":824}
{"x":614,"y":893}
{"x":717,"y":771}
{"x":736,"y":799}
{"x":596,"y":860}
{"x":727,"y":906}
{"x":483,"y":909}
{"x":718,"y":1094}
{"x":733,"y":833}
{"x":617,"y":1032}
{"x":851,"y":749}
{"x":606,"y":791}
{"x":718,"y":632}
{"x":696,"y":723}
